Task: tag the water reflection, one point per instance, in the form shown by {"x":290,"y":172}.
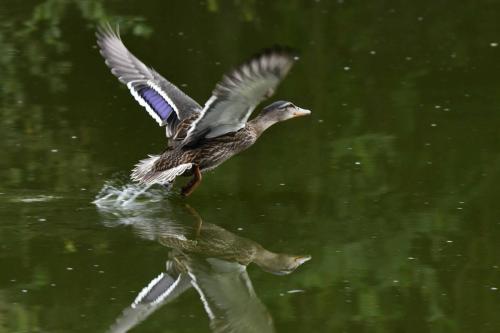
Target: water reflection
{"x":211,"y":260}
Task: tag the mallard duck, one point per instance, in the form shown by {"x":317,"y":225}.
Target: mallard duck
{"x":213,"y":261}
{"x":224,"y":288}
{"x":211,"y":241}
{"x":201,"y":138}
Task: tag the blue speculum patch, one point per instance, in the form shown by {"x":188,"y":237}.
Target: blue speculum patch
{"x":159,"y":105}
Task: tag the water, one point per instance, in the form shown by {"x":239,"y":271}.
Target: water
{"x":390,"y":185}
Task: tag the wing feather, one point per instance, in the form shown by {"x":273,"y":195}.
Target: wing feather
{"x":239,"y":92}
{"x":166,"y":103}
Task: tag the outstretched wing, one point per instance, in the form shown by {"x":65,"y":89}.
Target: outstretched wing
{"x":239,"y":92}
{"x":161,"y":290}
{"x":166,"y":103}
{"x":228,"y":296}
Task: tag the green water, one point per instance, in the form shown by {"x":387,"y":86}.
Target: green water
{"x":391,"y":185}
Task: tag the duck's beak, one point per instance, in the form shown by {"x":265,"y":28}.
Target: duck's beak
{"x":302,"y":259}
{"x":299,"y":112}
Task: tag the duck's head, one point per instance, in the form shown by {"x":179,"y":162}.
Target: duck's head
{"x":278,"y":111}
{"x":280,"y":263}
{"x":283,"y":110}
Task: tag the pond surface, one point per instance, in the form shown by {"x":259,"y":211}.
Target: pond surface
{"x":391,"y":185}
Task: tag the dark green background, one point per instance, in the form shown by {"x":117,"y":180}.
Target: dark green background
{"x":392,"y":185}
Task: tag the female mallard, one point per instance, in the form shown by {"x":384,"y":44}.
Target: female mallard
{"x":200,"y":139}
{"x":212,"y":241}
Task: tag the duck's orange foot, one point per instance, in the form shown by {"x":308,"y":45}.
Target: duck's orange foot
{"x":193,"y":184}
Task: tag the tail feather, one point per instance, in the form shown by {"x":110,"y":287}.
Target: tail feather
{"x":145,"y":173}
{"x":143,"y":168}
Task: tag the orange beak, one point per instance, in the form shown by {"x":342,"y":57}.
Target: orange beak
{"x":299,"y":112}
{"x":302,"y":259}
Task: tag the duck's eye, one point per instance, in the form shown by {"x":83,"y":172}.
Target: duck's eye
{"x":284,"y":106}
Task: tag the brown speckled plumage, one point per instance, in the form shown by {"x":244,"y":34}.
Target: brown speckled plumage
{"x":212,"y":241}
{"x":217,"y":242}
{"x":207,"y":153}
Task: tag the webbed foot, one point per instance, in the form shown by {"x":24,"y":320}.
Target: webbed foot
{"x":193,"y":184}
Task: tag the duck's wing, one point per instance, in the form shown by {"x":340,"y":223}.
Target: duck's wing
{"x":239,"y":92}
{"x":228,"y":297}
{"x":166,"y":103}
{"x":163,"y":289}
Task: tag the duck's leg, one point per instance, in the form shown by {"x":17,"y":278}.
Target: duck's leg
{"x":193,"y":184}
{"x":199,"y":220}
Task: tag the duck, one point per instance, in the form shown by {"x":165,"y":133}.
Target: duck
{"x":209,"y":240}
{"x":213,"y":261}
{"x":199,"y":138}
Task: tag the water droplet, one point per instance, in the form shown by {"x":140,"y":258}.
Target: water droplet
{"x":373,"y":52}
{"x":69,"y":268}
{"x":433,"y":125}
{"x":493,"y":44}
{"x":296,"y":291}
{"x":346,"y":68}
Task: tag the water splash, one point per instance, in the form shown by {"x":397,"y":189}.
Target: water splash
{"x":116,"y":195}
{"x":144,"y":208}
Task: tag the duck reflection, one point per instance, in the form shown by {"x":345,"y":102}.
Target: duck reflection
{"x":213,"y":261}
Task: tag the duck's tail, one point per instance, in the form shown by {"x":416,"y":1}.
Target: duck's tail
{"x":145,"y":173}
